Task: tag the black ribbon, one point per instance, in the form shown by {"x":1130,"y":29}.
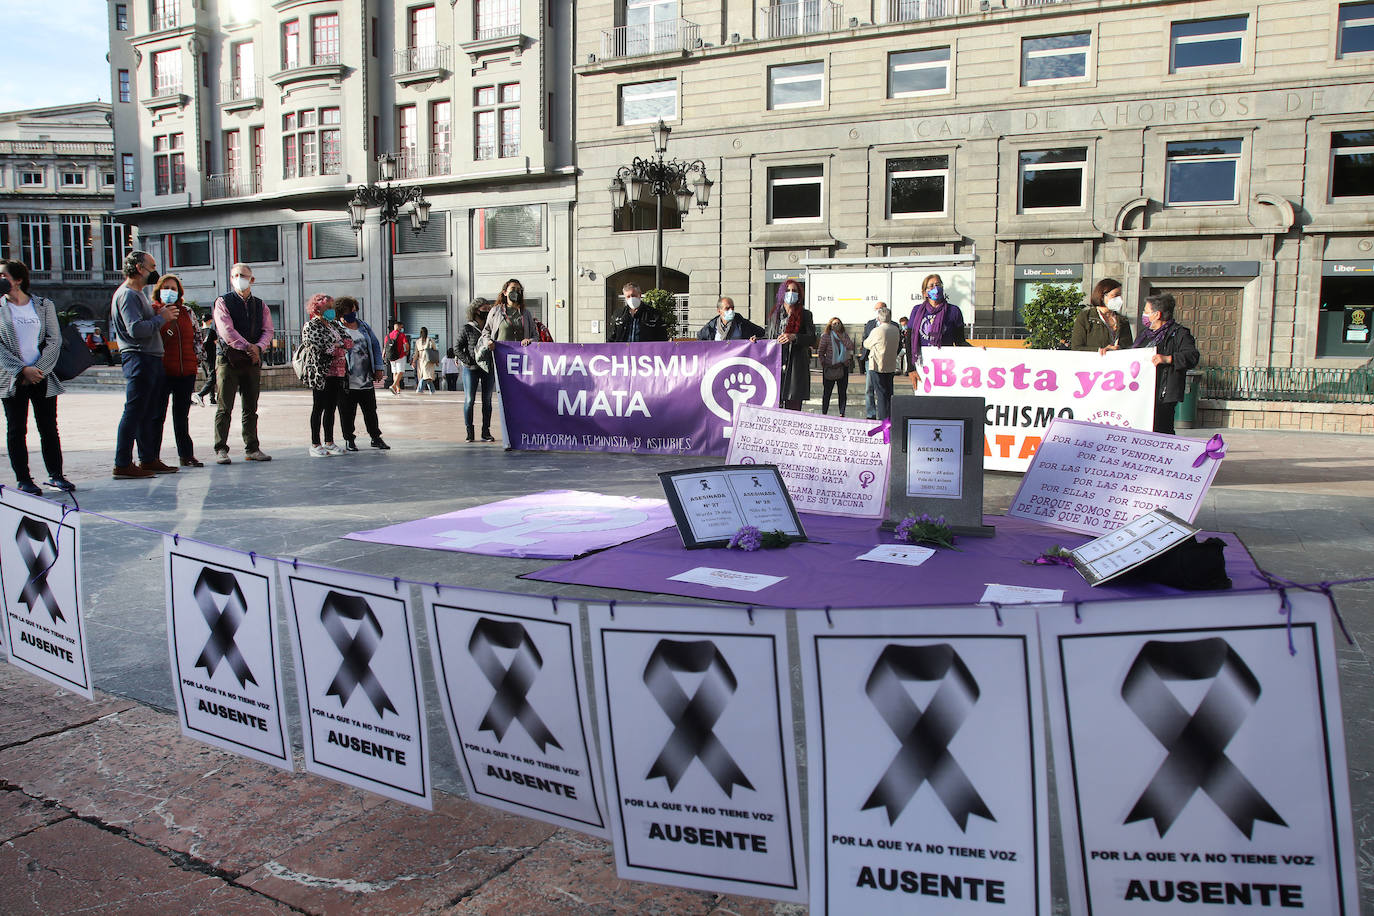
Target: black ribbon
{"x":357,"y":650}
{"x":924,"y":733}
{"x":215,"y":588}
{"x":33,"y":537}
{"x":512,"y":684}
{"x":1196,"y":743}
{"x":693,"y":717}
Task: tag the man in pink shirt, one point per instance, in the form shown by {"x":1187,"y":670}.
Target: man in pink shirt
{"x":245,"y":330}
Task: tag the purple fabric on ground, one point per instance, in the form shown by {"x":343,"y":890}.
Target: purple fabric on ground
{"x":555,"y":524}
{"x":823,"y":572}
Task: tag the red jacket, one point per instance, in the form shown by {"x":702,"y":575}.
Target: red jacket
{"x":179,"y":345}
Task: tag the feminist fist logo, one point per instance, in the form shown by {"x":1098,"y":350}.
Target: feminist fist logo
{"x":737,"y":380}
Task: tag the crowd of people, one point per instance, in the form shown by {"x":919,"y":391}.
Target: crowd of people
{"x":162,"y":349}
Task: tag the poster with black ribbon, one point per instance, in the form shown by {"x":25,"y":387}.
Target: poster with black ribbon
{"x":358,"y":682}
{"x":925,"y":762}
{"x":40,"y":574}
{"x":1200,"y":756}
{"x":514,"y":691}
{"x":697,"y":744}
{"x":226,"y":655}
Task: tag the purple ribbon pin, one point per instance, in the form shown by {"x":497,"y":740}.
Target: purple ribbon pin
{"x":1215,"y":449}
{"x":885,"y":428}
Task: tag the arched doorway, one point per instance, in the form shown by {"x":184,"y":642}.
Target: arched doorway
{"x":673,"y":281}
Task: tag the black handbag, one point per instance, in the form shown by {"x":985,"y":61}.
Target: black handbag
{"x":75,"y":357}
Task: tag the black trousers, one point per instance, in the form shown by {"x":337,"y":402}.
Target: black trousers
{"x":828,"y":384}
{"x":178,"y":389}
{"x":1164,"y":416}
{"x":326,"y":401}
{"x":351,"y":400}
{"x":17,"y":429}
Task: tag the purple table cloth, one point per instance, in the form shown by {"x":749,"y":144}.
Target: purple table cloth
{"x":823,"y":572}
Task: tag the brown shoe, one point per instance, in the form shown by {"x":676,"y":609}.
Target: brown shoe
{"x":192,"y":462}
{"x":131,"y":472}
{"x":257,"y":455}
{"x":157,"y":467}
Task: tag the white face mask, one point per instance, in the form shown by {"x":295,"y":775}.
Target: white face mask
{"x":632,"y":302}
{"x":1114,"y":303}
{"x":791,"y":298}
{"x":240,"y":284}
{"x":168,"y":296}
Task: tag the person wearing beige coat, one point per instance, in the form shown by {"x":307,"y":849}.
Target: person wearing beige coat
{"x":882,"y":344}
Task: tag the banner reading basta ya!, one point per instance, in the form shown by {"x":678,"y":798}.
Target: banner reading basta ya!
{"x":648,"y":398}
{"x":1025,"y":389}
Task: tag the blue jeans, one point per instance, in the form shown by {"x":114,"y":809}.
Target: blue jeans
{"x":143,"y":374}
{"x":881,"y":384}
{"x":472,"y":380}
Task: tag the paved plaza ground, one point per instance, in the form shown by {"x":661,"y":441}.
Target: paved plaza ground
{"x":104,"y":807}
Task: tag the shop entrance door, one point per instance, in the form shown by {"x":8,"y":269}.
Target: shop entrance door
{"x":1213,"y":315}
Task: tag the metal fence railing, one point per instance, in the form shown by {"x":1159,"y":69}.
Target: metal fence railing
{"x":1266,"y":383}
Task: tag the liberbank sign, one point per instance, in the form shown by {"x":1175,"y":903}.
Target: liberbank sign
{"x":1199,"y":269}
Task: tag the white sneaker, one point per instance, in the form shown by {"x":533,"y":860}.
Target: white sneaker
{"x":332,"y":449}
{"x":319,"y":451}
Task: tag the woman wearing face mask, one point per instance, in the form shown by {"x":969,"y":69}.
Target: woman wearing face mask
{"x":1175,"y":353}
{"x":1101,"y":326}
{"x":508,"y":319}
{"x":478,"y":373}
{"x":935,"y":321}
{"x":30,"y":342}
{"x":836,"y":352}
{"x":794,"y":328}
{"x":364,"y":363}
{"x":179,"y":363}
{"x":326,"y":348}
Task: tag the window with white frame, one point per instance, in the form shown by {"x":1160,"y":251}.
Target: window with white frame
{"x":76,"y":242}
{"x":496,"y":121}
{"x":650,"y":26}
{"x":324,"y":39}
{"x":916,"y":187}
{"x":1352,"y":163}
{"x":1207,"y":43}
{"x":117,"y":240}
{"x":911,"y":73}
{"x":511,"y":227}
{"x":1202,"y":172}
{"x":35,"y":241}
{"x":648,"y":103}
{"x":107,"y":179}
{"x":30,"y":178}
{"x":126,"y":169}
{"x":166,"y":72}
{"x":1356,"y":23}
{"x":73,"y":179}
{"x":1055,"y":58}
{"x":794,"y":193}
{"x":796,"y":85}
{"x":1052,"y":179}
{"x":312,"y":143}
{"x":495,"y":18}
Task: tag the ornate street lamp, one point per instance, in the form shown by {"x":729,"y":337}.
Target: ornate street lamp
{"x":662,"y":178}
{"x":390,"y":199}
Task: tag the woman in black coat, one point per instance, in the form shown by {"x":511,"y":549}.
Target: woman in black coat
{"x":1175,"y":353}
{"x":794,"y":328}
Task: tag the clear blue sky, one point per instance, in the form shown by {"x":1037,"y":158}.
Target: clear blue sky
{"x":59,"y":49}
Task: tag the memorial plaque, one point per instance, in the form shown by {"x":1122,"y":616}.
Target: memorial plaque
{"x":710,"y":504}
{"x":937,"y":464}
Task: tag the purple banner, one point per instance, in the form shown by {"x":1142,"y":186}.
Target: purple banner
{"x":649,"y":398}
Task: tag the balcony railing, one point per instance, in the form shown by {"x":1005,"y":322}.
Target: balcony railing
{"x":497,"y":31}
{"x":429,"y":57}
{"x":168,"y":17}
{"x":916,"y":10}
{"x":238,"y":90}
{"x":801,"y":17}
{"x":1265,"y":383}
{"x":56,"y":148}
{"x":167,"y":85}
{"x":325,"y":59}
{"x":650,"y":38}
{"x":233,"y":184}
{"x":415,"y":163}
{"x":505,"y":150}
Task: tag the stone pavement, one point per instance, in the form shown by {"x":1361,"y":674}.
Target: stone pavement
{"x":105,"y":807}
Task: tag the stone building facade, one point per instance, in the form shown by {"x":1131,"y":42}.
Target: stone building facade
{"x":1222,"y":151}
{"x":242,"y":128}
{"x":57,"y":182}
